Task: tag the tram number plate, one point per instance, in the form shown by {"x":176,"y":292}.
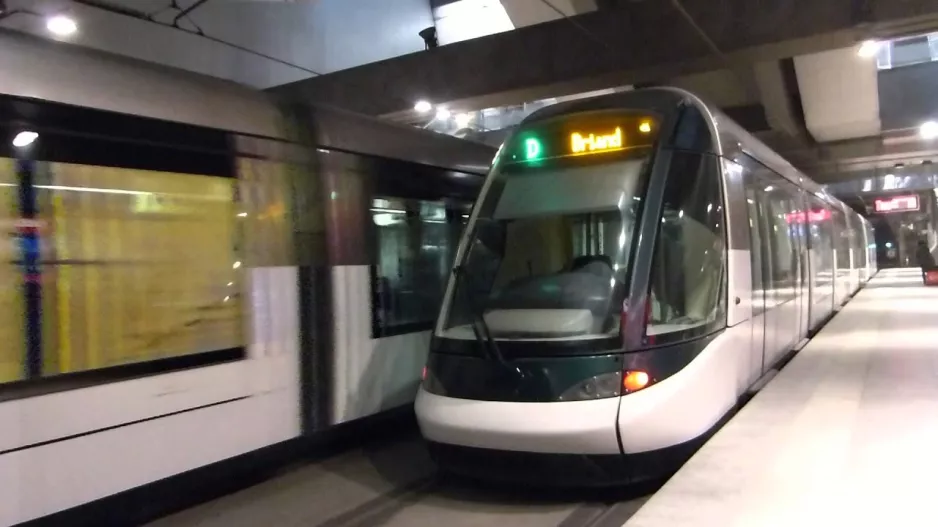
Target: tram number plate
{"x":931,"y":277}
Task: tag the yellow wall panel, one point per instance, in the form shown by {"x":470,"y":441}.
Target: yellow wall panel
{"x":12,"y":340}
{"x":141,"y":266}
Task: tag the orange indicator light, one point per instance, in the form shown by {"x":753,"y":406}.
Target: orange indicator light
{"x":633,"y":381}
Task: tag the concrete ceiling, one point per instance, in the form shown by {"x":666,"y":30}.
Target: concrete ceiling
{"x":265,"y":43}
{"x":790,"y":74}
{"x":261,"y":43}
{"x":634,"y":43}
{"x":787,"y":71}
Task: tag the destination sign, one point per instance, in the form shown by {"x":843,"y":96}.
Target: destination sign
{"x":578,"y":135}
{"x":592,"y":143}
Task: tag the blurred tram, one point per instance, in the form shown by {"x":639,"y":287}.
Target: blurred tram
{"x":195,"y":271}
{"x":634,"y":265}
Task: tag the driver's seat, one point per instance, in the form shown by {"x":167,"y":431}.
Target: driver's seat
{"x":582,"y":261}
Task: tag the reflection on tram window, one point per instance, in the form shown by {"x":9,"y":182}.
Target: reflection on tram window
{"x":549,"y":253}
{"x":137,"y":266}
{"x":688,"y":270}
{"x":782,"y":274}
{"x":13,"y":350}
{"x":842,"y":242}
{"x":822,"y":250}
{"x":416,"y":244}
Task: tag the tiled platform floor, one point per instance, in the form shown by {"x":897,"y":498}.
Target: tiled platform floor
{"x":845,"y":435}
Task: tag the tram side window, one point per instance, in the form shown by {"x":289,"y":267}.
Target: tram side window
{"x":687,"y":280}
{"x":416,"y":245}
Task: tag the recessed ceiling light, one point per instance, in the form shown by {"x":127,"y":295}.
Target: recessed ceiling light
{"x":928,"y":130}
{"x":61,"y":26}
{"x":423,"y":106}
{"x":24,"y":139}
{"x":869,"y":49}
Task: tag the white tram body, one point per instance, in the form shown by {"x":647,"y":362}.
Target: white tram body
{"x":634,"y":265}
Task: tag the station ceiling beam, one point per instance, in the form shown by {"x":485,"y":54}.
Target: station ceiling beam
{"x":633,"y":43}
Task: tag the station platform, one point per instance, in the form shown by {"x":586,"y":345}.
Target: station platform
{"x":845,"y":434}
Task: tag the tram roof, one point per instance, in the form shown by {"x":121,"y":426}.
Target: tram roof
{"x":730,"y":138}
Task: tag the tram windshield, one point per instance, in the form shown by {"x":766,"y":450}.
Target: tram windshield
{"x":548,"y":253}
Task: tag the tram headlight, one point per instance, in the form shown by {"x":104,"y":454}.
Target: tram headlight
{"x":596,"y":387}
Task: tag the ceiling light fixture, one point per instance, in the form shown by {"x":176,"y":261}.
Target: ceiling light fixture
{"x":928,"y":130}
{"x":61,"y":26}
{"x":463,"y":120}
{"x":24,"y":139}
{"x":423,"y":106}
{"x":869,"y":49}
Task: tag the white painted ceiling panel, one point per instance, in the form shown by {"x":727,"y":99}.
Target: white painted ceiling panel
{"x":529,"y":12}
{"x":839,"y":94}
{"x":468,"y":19}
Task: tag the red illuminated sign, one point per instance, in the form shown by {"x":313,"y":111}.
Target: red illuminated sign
{"x":897,"y":204}
{"x":813,"y":216}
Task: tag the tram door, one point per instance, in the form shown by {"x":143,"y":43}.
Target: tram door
{"x":804,"y":284}
{"x":776,"y":262}
{"x":758,"y":265}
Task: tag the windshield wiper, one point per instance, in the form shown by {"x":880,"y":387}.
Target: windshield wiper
{"x":480,"y":327}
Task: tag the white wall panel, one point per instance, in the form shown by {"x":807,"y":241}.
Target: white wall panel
{"x":142,"y":444}
{"x":370,"y":375}
{"x":51,"y":478}
{"x":54,"y":416}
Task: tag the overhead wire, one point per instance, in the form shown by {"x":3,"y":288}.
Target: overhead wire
{"x":180,"y":14}
{"x":173,"y":4}
{"x":151,"y":18}
{"x":578,"y":25}
{"x":700,"y":32}
{"x":6,"y":12}
{"x":185,"y":12}
{"x":714,"y":49}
